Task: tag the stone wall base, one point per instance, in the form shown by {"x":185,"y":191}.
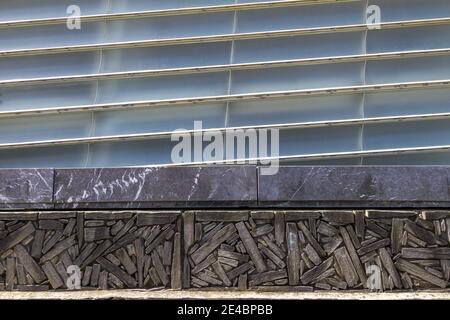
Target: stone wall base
{"x":274,"y":250}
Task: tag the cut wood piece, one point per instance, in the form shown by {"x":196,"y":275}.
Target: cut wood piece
{"x":242,"y":281}
{"x":103,"y":280}
{"x":293,"y":258}
{"x":221,"y":236}
{"x":119,"y":273}
{"x":279,"y":227}
{"x":312,"y":255}
{"x":311,"y":239}
{"x":16,"y":237}
{"x":156,"y":261}
{"x":268,"y":276}
{"x":210,"y":280}
{"x":126,"y":228}
{"x":108,"y":215}
{"x":84,"y":253}
{"x":272,"y":256}
{"x":50,"y":225}
{"x":198,"y":232}
{"x":52,"y":275}
{"x":204,"y":264}
{"x":70,"y":226}
{"x":346,"y":265}
{"x":396,"y":235}
{"x":86,"y":276}
{"x":353,"y":255}
{"x":10,"y":272}
{"x":188,"y":236}
{"x":327,"y":230}
{"x":262,"y":230}
{"x":59,"y":266}
{"x":332,"y":245}
{"x":280,"y":252}
{"x":126,"y":261}
{"x":32,"y":288}
{"x":226,"y":216}
{"x":117,"y":227}
{"x":353,"y":236}
{"x":360,"y":224}
{"x":122,"y":242}
{"x":390,"y":267}
{"x":445,"y":265}
{"x":373,"y":226}
{"x":251,"y":247}
{"x":387,"y":214}
{"x":33,"y":269}
{"x":48,"y":245}
{"x":221,"y":273}
{"x":95,"y":275}
{"x":59,"y":248}
{"x":167,"y":253}
{"x":96,"y":234}
{"x":80,"y":229}
{"x":373,"y":246}
{"x":426,"y":253}
{"x":301,"y":215}
{"x":36,"y":247}
{"x":139,"y":249}
{"x":339,"y":217}
{"x":262,"y":215}
{"x":421,"y":233}
{"x":436,"y":214}
{"x":233,"y":255}
{"x":24,"y":216}
{"x":310,"y":275}
{"x":160,"y":238}
{"x":420,"y":273}
{"x":176,"y":276}
{"x":152,"y":218}
{"x":98,"y":251}
{"x":234,"y":273}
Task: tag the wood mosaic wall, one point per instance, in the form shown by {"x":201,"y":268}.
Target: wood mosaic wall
{"x":254,"y":250}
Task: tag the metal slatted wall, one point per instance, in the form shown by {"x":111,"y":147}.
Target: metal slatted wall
{"x":111,"y":93}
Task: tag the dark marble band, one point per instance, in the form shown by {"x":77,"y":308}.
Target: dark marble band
{"x":226,"y":187}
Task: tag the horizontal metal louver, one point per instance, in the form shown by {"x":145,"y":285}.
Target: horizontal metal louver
{"x":111,"y":93}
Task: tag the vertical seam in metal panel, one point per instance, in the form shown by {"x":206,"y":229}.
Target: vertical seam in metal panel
{"x":363,"y":98}
{"x":230,"y":74}
{"x":100,"y":67}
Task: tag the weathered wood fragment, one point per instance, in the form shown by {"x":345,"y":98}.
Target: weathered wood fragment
{"x":339,"y":217}
{"x":420,"y":273}
{"x":80,"y":229}
{"x":176,"y":276}
{"x":279,"y":226}
{"x":52,"y":275}
{"x":233,"y":255}
{"x":86,"y":276}
{"x":346,"y":265}
{"x":435,"y":215}
{"x":311,"y":239}
{"x":268,"y":276}
{"x":426,"y":253}
{"x":272,"y":256}
{"x":242,"y":281}
{"x":95,"y":275}
{"x":108,"y":215}
{"x":326,"y":229}
{"x":234,"y":273}
{"x":262,"y":230}
{"x":300,"y":215}
{"x":159,"y":268}
{"x":396,"y":235}
{"x":59,"y":248}
{"x":262,"y":215}
{"x":310,"y":275}
{"x":10,"y":272}
{"x":32,"y":288}
{"x":373,"y":226}
{"x":390,"y":267}
{"x":103,"y":280}
{"x":293,"y":258}
{"x":29,"y":264}
{"x":226,"y":216}
{"x":353,"y":255}
{"x":119,"y":273}
{"x":126,"y":228}
{"x":220,"y":237}
{"x":160,"y":238}
{"x":373,"y":246}
{"x":152,"y":218}
{"x":332,"y":245}
{"x":96,"y":234}
{"x":16,"y":237}
{"x":221,"y":273}
{"x":36,"y":247}
{"x":420,"y":232}
{"x":50,"y":225}
{"x":167,"y":253}
{"x":98,"y":251}
{"x":125,"y":260}
{"x":312,"y":255}
{"x":353,"y":236}
{"x":360,"y":224}
{"x":94,"y":223}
